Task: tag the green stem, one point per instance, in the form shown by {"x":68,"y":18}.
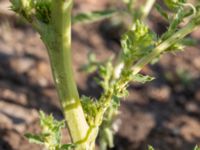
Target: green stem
{"x":147,"y":8}
{"x":163,"y":46}
{"x":58,"y":41}
{"x":120,"y":66}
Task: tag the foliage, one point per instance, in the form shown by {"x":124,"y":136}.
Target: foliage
{"x":140,"y":46}
{"x":50,"y":136}
{"x":88,"y":17}
{"x":137,"y":42}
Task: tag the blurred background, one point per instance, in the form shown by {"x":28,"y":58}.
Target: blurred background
{"x":164,"y":113}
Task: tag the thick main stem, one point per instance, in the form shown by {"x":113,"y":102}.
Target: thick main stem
{"x":58,"y":42}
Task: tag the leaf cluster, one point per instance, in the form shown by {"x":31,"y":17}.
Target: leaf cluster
{"x":90,"y":107}
{"x":33,"y":9}
{"x":180,"y":12}
{"x":50,"y":135}
{"x":137,"y":42}
{"x":40,"y":12}
{"x":141,"y":46}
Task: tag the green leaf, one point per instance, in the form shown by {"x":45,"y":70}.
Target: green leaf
{"x":137,"y":42}
{"x":109,"y":137}
{"x":174,"y":4}
{"x":32,"y":9}
{"x":115,"y":102}
{"x":22,"y":7}
{"x":175,"y":22}
{"x":175,"y":48}
{"x":142,"y":78}
{"x":37,"y":139}
{"x":89,"y":17}
{"x":106,"y":136}
{"x":50,"y":136}
{"x":42,"y":10}
{"x":188,"y":41}
{"x":15,"y":5}
{"x":51,"y":127}
{"x":162,"y":12}
{"x":179,"y":46}
{"x":90,"y":107}
{"x":106,"y":73}
{"x":67,"y":147}
{"x":178,"y":18}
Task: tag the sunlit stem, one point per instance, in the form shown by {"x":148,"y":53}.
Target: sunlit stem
{"x":57,"y":38}
{"x":163,"y":46}
{"x":147,"y":8}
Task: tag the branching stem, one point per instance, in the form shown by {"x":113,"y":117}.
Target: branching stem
{"x":163,"y":46}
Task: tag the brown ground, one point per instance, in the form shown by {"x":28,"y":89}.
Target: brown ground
{"x":164,"y":113}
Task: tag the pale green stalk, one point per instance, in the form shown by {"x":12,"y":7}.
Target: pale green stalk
{"x":163,"y":46}
{"x":57,"y":38}
{"x":147,"y":8}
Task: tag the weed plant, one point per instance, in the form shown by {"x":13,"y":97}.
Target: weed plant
{"x":88,"y":117}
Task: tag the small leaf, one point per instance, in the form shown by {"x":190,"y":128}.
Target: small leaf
{"x":175,"y":22}
{"x":115,"y":102}
{"x":189,"y":41}
{"x":173,"y":4}
{"x":89,"y":17}
{"x":142,"y":78}
{"x":37,"y":139}
{"x":162,"y":12}
{"x":137,"y":42}
{"x":109,"y":137}
{"x":15,"y":5}
{"x":90,"y":107}
{"x":67,"y":146}
{"x":42,"y":10}
{"x":178,"y":18}
{"x":175,"y":48}
{"x":106,"y":72}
